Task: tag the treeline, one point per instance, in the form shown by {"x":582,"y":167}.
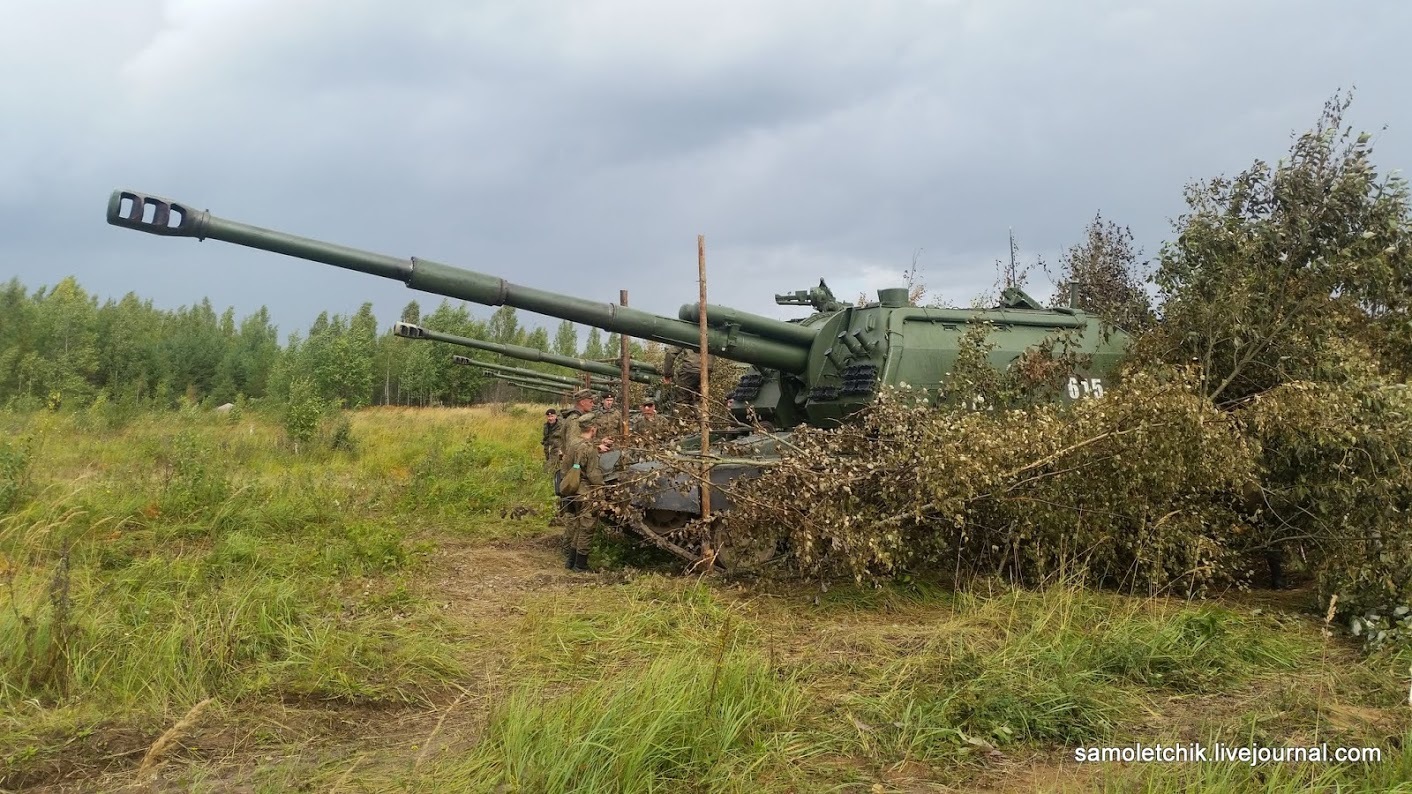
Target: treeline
{"x":61,"y":347}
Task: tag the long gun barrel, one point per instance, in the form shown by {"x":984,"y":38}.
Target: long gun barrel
{"x":535,"y":387}
{"x":767,"y":327}
{"x":531,"y":379}
{"x":169,"y":218}
{"x":643,"y":374}
{"x":562,"y":380}
{"x":560,"y":389}
{"x":526,"y":383}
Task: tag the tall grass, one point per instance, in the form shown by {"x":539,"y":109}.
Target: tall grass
{"x":879,"y":680}
{"x":149,"y":564}
{"x":657,"y":685}
{"x":681,"y":723}
{"x":1057,"y":667}
{"x":1391,"y":775}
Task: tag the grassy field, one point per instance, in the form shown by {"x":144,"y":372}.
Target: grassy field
{"x":188,"y":604}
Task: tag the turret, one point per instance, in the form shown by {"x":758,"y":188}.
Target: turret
{"x":640,"y":371}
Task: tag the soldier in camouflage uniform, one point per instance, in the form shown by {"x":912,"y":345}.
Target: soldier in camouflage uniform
{"x":582,"y":453}
{"x":648,"y":423}
{"x":551,"y":421}
{"x":610,"y":425}
{"x":683,"y":366}
{"x":566,"y":429}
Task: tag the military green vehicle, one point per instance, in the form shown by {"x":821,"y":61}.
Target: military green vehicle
{"x":559,"y":393}
{"x":545,"y":378}
{"x":532,"y":384}
{"x":815,"y":371}
{"x":638,"y":371}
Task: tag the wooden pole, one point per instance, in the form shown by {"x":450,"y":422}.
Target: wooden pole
{"x":705,"y":387}
{"x":626,"y":377}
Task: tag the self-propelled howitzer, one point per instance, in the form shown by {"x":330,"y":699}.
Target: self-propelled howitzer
{"x":559,"y":392}
{"x":535,"y":375}
{"x":640,"y":371}
{"x":814,"y":371}
{"x":532,"y":385}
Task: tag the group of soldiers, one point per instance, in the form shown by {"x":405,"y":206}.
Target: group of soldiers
{"x":573,"y":440}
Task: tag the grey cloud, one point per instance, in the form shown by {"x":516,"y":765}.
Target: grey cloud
{"x":581,"y":147}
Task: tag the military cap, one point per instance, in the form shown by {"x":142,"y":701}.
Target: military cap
{"x":583,"y":394}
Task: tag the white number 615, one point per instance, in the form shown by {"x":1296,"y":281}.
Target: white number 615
{"x":1085,"y":387}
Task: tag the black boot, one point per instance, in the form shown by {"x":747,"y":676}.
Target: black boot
{"x":569,"y":557}
{"x":581,"y":562}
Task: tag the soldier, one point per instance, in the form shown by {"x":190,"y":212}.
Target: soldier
{"x":567,"y":429}
{"x":582,"y":454}
{"x":683,"y":365}
{"x":551,"y":421}
{"x":648,"y":421}
{"x":608,"y":424}
{"x":564,"y":429}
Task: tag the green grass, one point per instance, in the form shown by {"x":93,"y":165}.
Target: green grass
{"x":1392,"y":774}
{"x":1059,"y":666}
{"x":660,"y":685}
{"x":682,"y":722}
{"x":870,"y":681}
{"x":180,"y":557}
{"x":149,"y":564}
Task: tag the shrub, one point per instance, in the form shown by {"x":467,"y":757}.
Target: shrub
{"x":1134,"y":489}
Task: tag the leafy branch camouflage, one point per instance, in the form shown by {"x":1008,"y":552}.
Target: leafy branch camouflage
{"x":1102,"y":276}
{"x":1265,"y":415}
{"x":1126,"y":490}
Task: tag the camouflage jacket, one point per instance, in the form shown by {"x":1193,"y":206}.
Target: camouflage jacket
{"x":566,"y":429}
{"x":647,"y":424}
{"x":610,"y":425}
{"x":583,"y":454}
{"x":679,"y":362}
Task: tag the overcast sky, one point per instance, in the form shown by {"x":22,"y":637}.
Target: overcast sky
{"x":581,"y":146}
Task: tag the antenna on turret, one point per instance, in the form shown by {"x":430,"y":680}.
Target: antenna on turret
{"x":1012,"y":276}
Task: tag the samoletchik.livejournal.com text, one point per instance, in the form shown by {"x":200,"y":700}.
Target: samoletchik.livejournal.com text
{"x":1218,"y":752}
